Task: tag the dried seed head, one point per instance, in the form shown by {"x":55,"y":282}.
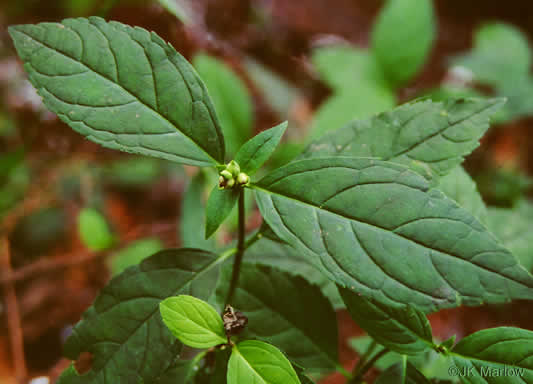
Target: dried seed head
{"x":234,"y":321}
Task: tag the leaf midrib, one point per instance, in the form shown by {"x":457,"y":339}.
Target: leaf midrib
{"x":261,"y":189}
{"x":118,"y":84}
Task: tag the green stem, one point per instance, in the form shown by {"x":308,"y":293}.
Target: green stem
{"x":364,"y":357}
{"x":358,"y":376}
{"x":240,"y":250}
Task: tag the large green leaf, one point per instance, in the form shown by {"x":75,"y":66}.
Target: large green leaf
{"x":459,"y":186}
{"x":231,"y":99}
{"x":287,"y":311}
{"x":194,"y":322}
{"x":257,"y":362}
{"x":427,"y":135}
{"x":123,"y":328}
{"x":402,"y":329}
{"x":271,"y":251}
{"x":402,"y":38}
{"x":402,"y":373}
{"x":513,"y":228}
{"x":378,"y":229}
{"x":494,"y":356}
{"x":122,"y":87}
{"x":498,"y":48}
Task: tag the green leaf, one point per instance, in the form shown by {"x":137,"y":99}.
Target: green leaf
{"x":192,"y":219}
{"x":194,"y":322}
{"x":123,"y":328}
{"x":257,"y":362}
{"x":133,"y":254}
{"x":427,"y":135}
{"x":343,"y":67}
{"x":230,"y":97}
{"x":121,"y":87}
{"x":288,"y":312}
{"x":93,"y":230}
{"x":277,"y":254}
{"x":513,"y":228}
{"x":498,"y":48}
{"x":496,"y":355}
{"x":253,"y":154}
{"x":359,"y":102}
{"x":402,"y":373}
{"x":459,"y":186}
{"x":183,"y":371}
{"x":378,"y":229}
{"x":402,"y":329}
{"x":402,"y":38}
{"x":218,"y":208}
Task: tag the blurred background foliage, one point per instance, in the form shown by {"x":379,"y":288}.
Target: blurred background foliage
{"x":75,"y":213}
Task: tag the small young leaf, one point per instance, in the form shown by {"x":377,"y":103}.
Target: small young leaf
{"x":377,"y":228}
{"x":123,"y":328}
{"x":459,"y":186}
{"x":402,"y":373}
{"x":402,"y":329}
{"x":301,"y":321}
{"x":253,"y":154}
{"x":492,"y":354}
{"x":257,"y":362}
{"x":431,"y":135}
{"x":402,"y":38}
{"x":93,"y":229}
{"x":122,"y":87}
{"x":194,"y":322}
{"x":230,"y":98}
{"x":219,"y":206}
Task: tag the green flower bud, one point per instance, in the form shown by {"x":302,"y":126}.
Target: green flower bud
{"x":234,"y":168}
{"x":230,"y":183}
{"x":221,"y":182}
{"x":243,"y":178}
{"x":226,"y":175}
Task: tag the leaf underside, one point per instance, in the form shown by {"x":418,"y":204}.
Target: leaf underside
{"x":123,"y":329}
{"x":377,"y":228}
{"x":121,"y":87}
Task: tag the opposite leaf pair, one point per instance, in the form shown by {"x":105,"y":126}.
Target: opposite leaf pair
{"x":196,"y":324}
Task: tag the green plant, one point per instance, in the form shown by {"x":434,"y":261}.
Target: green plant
{"x":360,"y":208}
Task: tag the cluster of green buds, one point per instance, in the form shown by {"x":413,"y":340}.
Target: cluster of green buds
{"x":231,"y":175}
